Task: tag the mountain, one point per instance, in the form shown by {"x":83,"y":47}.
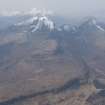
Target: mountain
{"x":38,"y":23}
{"x":42,"y":62}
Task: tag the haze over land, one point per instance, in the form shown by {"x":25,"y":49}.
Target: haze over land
{"x":52,"y":56}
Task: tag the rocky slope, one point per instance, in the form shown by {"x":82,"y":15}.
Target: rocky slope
{"x":43,"y":63}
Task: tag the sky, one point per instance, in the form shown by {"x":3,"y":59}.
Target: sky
{"x":63,"y":7}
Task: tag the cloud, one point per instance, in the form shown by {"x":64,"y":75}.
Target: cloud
{"x":63,"y":7}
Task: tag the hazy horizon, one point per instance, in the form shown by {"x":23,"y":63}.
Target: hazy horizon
{"x":62,"y":7}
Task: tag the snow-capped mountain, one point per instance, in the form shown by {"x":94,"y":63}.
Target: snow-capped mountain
{"x":36,"y":23}
{"x":91,"y":25}
{"x":39,"y":17}
{"x":37,"y":20}
{"x":42,"y":20}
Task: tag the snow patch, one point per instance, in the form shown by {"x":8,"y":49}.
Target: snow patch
{"x":43,"y":21}
{"x":100,"y":28}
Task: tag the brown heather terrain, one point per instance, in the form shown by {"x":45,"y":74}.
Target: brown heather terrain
{"x":52,"y":67}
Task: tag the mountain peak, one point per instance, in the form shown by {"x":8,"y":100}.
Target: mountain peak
{"x":37,"y":23}
{"x":90,"y":21}
{"x":91,"y":24}
{"x":43,"y":22}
